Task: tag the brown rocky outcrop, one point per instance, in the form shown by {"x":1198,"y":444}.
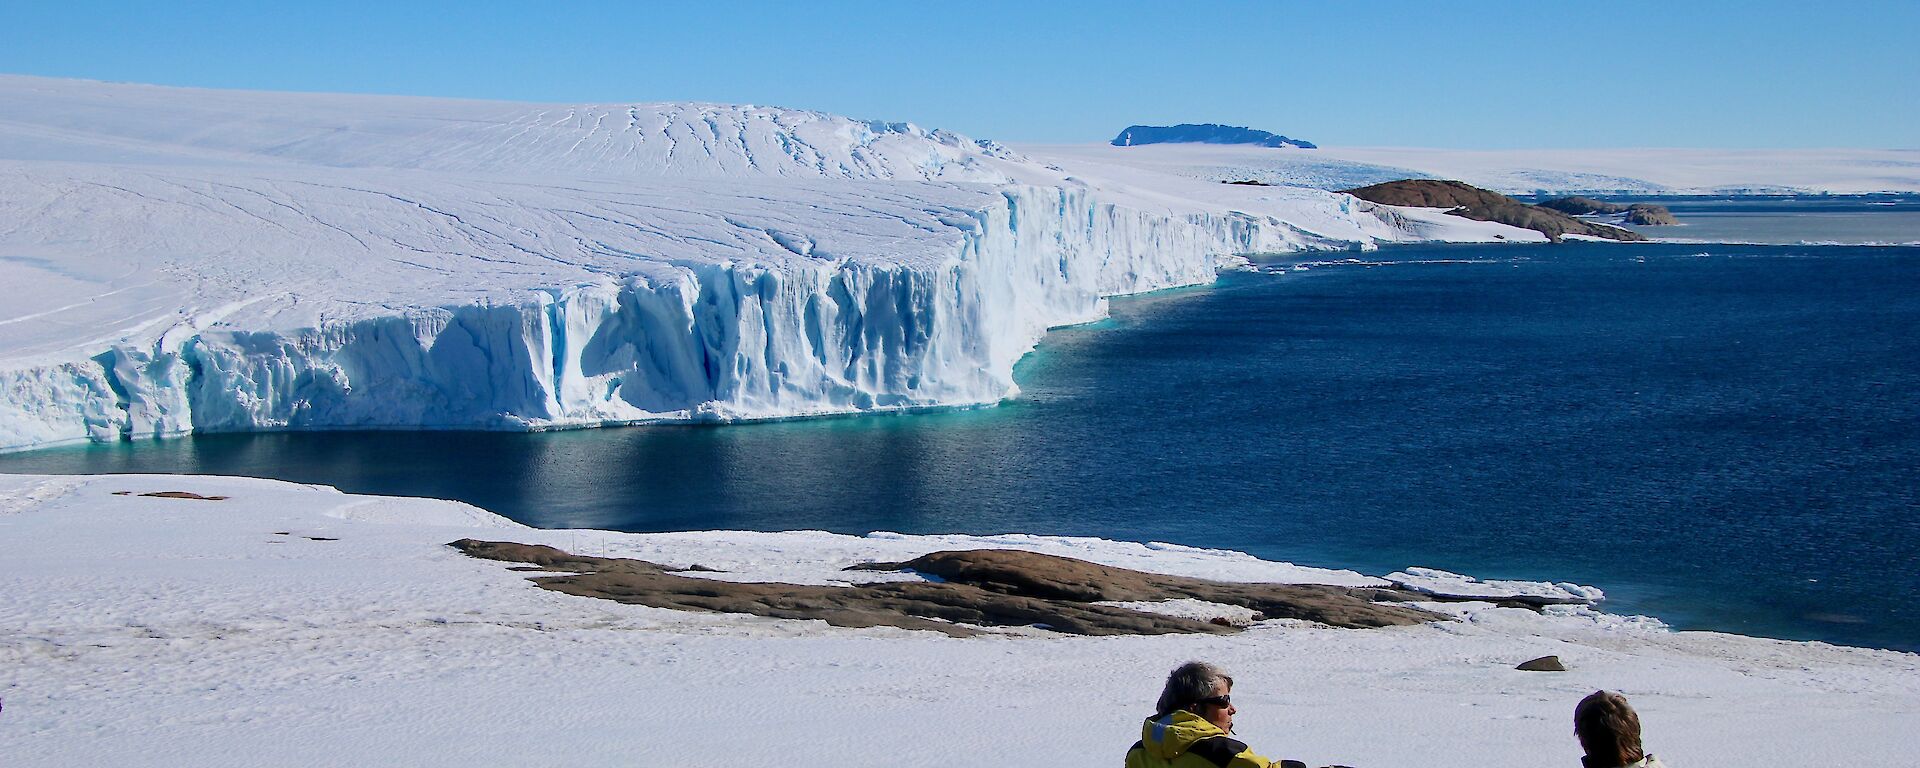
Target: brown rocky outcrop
{"x":174,"y":495}
{"x":1636,"y":214}
{"x":1641,"y":214}
{"x":1484,"y":205}
{"x":1034,"y":574}
{"x":980,"y":588}
{"x":1650,"y":215}
{"x":1581,"y":206}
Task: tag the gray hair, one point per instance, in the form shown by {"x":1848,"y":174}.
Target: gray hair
{"x":1189,"y":683}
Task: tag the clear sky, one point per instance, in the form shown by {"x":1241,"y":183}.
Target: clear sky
{"x":1760,"y":73}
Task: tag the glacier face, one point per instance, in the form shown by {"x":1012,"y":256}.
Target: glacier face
{"x":211,"y":261}
{"x":695,"y":340}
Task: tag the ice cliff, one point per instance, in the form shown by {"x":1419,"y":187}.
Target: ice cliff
{"x":187,"y":260}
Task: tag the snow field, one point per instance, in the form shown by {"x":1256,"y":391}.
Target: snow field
{"x":1642,"y":171}
{"x":156,"y":631}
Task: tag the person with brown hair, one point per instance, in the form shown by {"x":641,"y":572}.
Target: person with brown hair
{"x":1609,"y":732}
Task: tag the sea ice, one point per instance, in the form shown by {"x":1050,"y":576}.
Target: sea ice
{"x":1432,"y":581}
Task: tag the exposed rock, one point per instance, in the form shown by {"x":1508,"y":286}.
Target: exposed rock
{"x":1063,"y":578}
{"x":1484,"y":205}
{"x":1643,"y":214}
{"x":1542,"y":664}
{"x":1649,"y":215}
{"x":982,"y":588}
{"x":173,"y":495}
{"x":1581,"y":206}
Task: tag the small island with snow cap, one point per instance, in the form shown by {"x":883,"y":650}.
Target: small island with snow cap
{"x":1204,"y":133}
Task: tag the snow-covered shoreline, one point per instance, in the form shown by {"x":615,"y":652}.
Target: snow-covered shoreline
{"x":293,"y":625}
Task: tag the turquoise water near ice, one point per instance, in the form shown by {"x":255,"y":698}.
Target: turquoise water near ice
{"x":1722,"y":436}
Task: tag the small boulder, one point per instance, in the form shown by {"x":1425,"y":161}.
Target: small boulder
{"x":1542,"y":664}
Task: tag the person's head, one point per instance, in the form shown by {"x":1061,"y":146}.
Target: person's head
{"x":1202,"y":689}
{"x":1608,"y":729}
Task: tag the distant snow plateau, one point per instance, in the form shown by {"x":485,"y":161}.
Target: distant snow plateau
{"x":193,"y":260}
{"x":1525,"y":172}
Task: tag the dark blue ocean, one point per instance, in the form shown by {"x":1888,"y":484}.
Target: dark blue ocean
{"x":1725,"y":437}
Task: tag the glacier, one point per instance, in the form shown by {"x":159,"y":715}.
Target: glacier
{"x":189,"y":260}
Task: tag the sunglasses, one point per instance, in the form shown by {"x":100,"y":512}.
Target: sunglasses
{"x":1223,"y":700}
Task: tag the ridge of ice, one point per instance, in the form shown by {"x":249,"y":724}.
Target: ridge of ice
{"x":1433,"y":581}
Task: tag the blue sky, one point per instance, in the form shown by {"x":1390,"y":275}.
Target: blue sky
{"x":1460,"y":74}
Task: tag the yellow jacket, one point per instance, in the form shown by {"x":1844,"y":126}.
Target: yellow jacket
{"x":1182,"y":739}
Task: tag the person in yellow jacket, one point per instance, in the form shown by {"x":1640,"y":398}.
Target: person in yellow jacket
{"x":1192,"y":725}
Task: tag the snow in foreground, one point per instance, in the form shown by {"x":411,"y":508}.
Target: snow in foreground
{"x":295,"y":625}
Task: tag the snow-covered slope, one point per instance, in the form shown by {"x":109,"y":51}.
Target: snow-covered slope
{"x":206,"y":260}
{"x":291,"y":625}
{"x":1571,"y":171}
{"x":52,"y":119}
{"x":1660,"y":171}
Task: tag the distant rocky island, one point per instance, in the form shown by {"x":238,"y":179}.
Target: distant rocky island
{"x":1204,"y":133}
{"x":1485,"y":205}
{"x":1643,"y":214}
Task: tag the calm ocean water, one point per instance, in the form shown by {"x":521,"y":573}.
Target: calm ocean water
{"x":1883,"y":219}
{"x":1725,"y":437}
